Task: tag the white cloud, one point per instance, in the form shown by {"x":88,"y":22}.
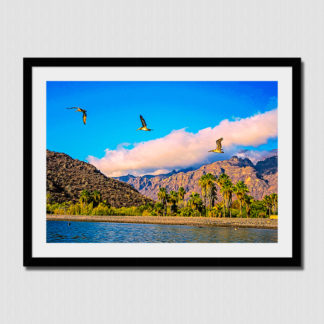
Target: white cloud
{"x":157,"y":172}
{"x":256,"y":156}
{"x":181,"y":149}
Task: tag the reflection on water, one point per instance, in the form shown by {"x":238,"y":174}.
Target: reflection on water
{"x":95,"y":232}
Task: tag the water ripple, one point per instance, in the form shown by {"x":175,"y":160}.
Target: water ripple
{"x":95,"y":232}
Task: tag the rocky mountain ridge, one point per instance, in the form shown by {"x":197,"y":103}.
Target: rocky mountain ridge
{"x":67,"y":177}
{"x":261,"y":179}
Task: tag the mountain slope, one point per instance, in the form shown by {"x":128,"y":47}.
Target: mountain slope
{"x":67,"y":177}
{"x":261,"y":178}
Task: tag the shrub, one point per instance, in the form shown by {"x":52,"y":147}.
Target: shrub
{"x":146,"y":213}
{"x":101,"y":210}
{"x":186,"y":211}
{"x":235,"y":213}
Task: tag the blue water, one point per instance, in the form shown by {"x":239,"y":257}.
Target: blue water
{"x":95,"y":232}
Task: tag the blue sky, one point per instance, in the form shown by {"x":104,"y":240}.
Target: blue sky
{"x":113,"y":110}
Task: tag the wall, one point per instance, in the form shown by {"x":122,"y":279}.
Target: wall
{"x":160,"y":28}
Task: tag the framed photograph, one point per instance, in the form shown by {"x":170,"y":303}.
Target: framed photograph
{"x":162,"y":162}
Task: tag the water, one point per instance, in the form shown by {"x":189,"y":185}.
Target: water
{"x":95,"y":232}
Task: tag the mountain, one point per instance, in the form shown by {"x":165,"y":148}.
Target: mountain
{"x":67,"y":177}
{"x":129,"y":177}
{"x":267,"y":166}
{"x":261,"y":178}
{"x":256,"y":156}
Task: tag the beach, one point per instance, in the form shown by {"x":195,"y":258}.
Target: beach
{"x":264,"y":223}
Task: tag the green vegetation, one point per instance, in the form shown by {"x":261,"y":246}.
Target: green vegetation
{"x":173,"y":203}
{"x":240,"y":190}
{"x":163,"y":197}
{"x":208,"y":190}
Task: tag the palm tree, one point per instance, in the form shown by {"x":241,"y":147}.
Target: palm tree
{"x":222,"y":178}
{"x":220,"y":181}
{"x":267,"y":202}
{"x":195,"y":201}
{"x":159,"y":207}
{"x":181,"y":194}
{"x":227,"y":192}
{"x":173,"y":197}
{"x":240,"y":190}
{"x":208,"y":189}
{"x":248,"y":200}
{"x":203,"y":184}
{"x":96,"y":198}
{"x":85,"y":197}
{"x":212,"y":194}
{"x":163,"y":197}
{"x":274,"y":200}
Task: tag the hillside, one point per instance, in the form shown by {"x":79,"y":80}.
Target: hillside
{"x":67,"y":177}
{"x":261,"y":178}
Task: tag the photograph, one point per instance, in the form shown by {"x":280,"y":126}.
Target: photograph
{"x":161,"y":162}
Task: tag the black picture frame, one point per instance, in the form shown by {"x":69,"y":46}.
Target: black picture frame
{"x":294,"y":261}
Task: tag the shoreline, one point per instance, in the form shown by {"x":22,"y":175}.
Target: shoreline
{"x":262,"y":223}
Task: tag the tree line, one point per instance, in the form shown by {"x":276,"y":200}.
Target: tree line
{"x":173,"y":203}
{"x":206,"y":203}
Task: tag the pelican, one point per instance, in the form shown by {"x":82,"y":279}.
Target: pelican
{"x":144,"y":126}
{"x":219,"y":146}
{"x":84,"y":112}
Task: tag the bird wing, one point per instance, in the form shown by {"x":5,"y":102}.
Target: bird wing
{"x":143,"y":121}
{"x":72,"y":108}
{"x":84,"y":117}
{"x":219,"y":143}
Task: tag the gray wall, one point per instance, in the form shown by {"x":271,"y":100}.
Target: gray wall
{"x":160,"y":28}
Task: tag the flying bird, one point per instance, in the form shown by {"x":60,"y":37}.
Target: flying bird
{"x":144,"y":126}
{"x":84,"y":112}
{"x":219,"y":146}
